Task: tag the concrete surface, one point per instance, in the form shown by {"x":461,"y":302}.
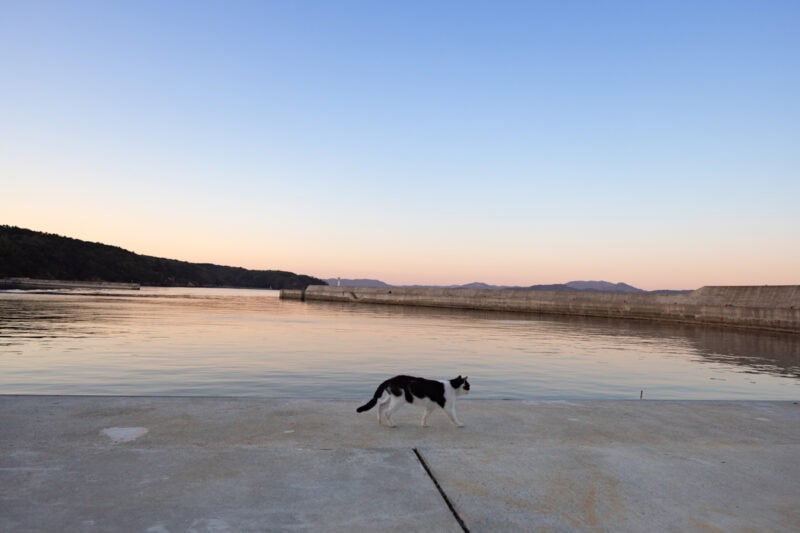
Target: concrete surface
{"x":222,"y":464}
{"x":775,"y":308}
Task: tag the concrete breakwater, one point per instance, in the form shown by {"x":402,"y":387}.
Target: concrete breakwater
{"x":775,"y":307}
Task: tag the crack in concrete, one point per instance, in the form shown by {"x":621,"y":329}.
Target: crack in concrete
{"x":450,"y":505}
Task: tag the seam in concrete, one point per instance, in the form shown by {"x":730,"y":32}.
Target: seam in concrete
{"x":450,"y":506}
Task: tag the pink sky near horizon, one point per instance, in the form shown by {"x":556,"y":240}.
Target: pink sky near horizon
{"x":440,"y":263}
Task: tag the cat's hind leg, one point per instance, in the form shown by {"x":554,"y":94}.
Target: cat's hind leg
{"x":425,"y":415}
{"x":382,"y":405}
{"x":394,"y":404}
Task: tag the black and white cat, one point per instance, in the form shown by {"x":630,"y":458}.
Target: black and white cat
{"x":400,"y":390}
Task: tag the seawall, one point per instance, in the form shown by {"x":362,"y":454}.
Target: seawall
{"x":775,"y":307}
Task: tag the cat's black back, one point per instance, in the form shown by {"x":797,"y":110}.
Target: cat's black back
{"x":412,"y":387}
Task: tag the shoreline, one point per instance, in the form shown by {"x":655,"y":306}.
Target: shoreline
{"x":51,"y":284}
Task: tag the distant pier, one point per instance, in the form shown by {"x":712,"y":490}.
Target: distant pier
{"x":769,"y":307}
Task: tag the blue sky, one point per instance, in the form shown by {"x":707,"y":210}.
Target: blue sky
{"x":654,"y":143}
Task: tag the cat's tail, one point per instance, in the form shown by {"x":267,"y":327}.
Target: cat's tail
{"x":370,"y":404}
{"x":367,"y":406}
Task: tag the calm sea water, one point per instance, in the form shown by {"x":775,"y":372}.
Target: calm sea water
{"x":214,"y":342}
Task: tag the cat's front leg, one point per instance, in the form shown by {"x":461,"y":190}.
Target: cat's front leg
{"x":451,"y":414}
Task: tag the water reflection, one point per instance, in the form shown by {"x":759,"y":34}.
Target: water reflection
{"x":758,"y":351}
{"x":250,"y":343}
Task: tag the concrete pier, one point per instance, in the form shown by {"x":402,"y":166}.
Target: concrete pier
{"x":220,"y":464}
{"x":775,"y":308}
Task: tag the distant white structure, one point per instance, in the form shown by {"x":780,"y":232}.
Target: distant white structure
{"x":339,"y":281}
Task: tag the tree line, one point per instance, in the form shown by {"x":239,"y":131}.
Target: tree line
{"x":33,"y":254}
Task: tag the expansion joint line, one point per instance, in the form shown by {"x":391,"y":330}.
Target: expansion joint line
{"x":450,"y":505}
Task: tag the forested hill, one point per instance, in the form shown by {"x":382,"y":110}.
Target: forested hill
{"x":32,"y":254}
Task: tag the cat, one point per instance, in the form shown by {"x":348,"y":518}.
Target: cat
{"x":399,"y":390}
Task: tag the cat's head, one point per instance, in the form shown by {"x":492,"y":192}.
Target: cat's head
{"x":460,"y":385}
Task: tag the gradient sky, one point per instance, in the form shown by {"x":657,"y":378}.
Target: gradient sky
{"x":655,"y":143}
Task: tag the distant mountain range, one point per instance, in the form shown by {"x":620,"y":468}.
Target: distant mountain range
{"x":593,"y":286}
{"x":32,"y":254}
